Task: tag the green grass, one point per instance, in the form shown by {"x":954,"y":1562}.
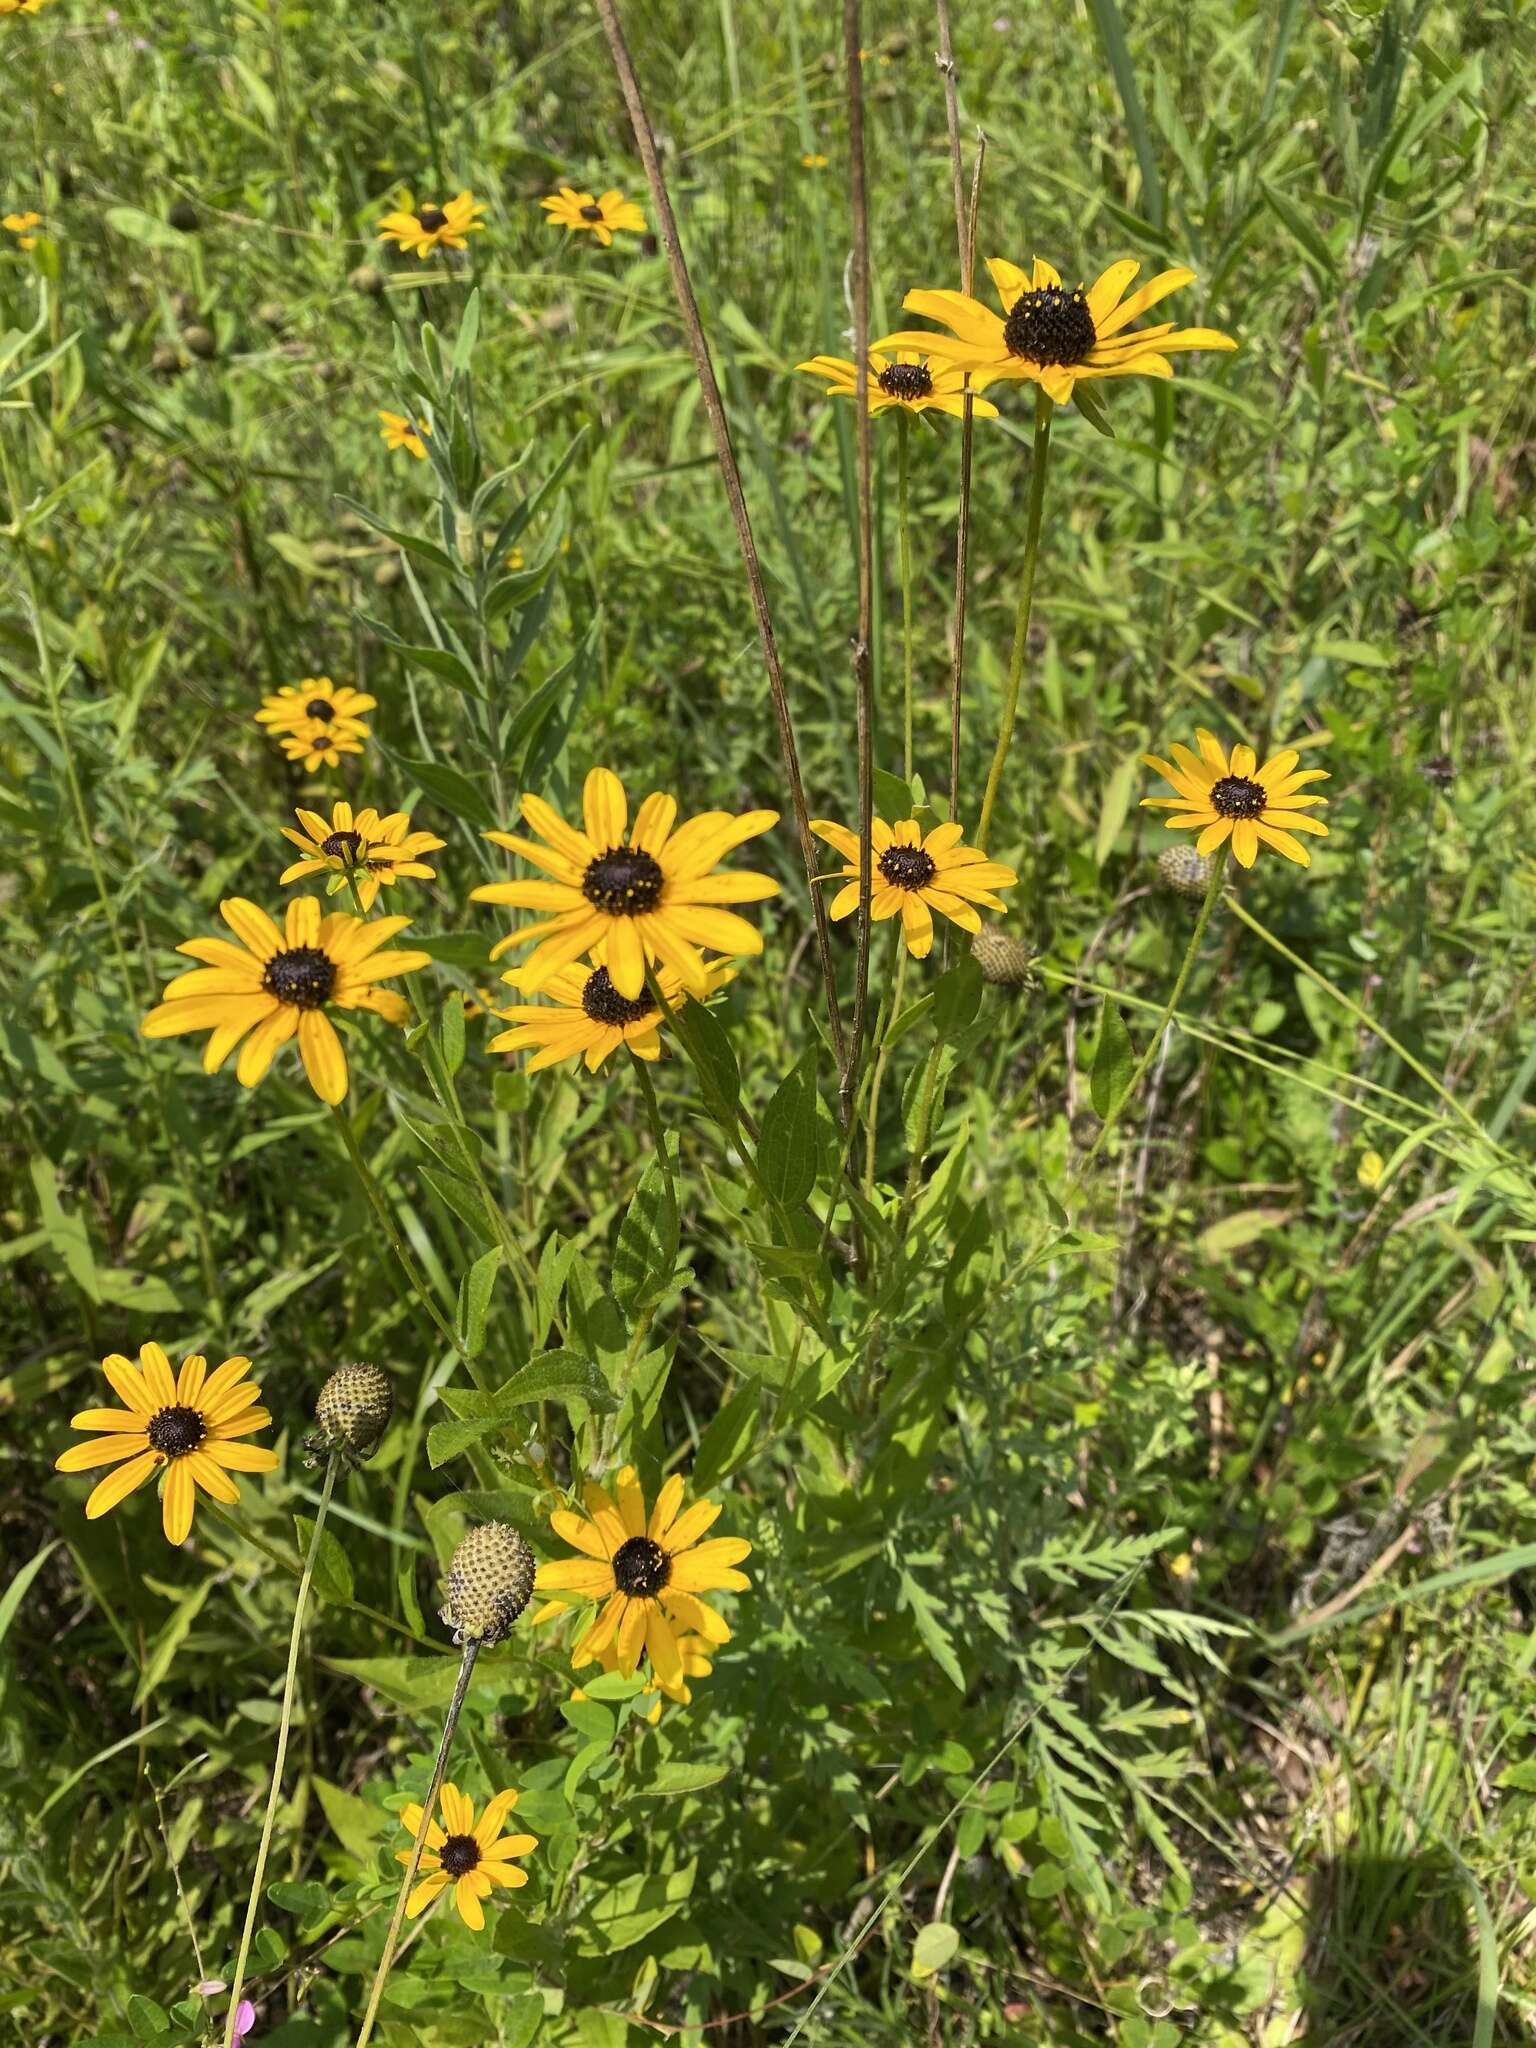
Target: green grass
{"x":1138,"y":1643}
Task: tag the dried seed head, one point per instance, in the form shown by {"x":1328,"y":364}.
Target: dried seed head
{"x":489,"y":1583}
{"x":367,"y":280}
{"x":199,"y":341}
{"x":1004,"y":960}
{"x":1184,"y":871}
{"x":351,"y":1415}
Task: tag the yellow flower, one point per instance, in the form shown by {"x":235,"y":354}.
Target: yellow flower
{"x":315,"y":722}
{"x":471,"y":1859}
{"x":1220,"y":797}
{"x":431,"y":227}
{"x":652,"y":896}
{"x":588,"y":1018}
{"x":813,"y":161}
{"x":1052,"y":337}
{"x":648,"y":1575}
{"x":697,"y":1663}
{"x":579,"y":210}
{"x":186,"y":1423}
{"x":911,"y":381}
{"x":375,"y":851}
{"x":399,"y":433}
{"x":916,"y":876}
{"x":22,"y":6}
{"x":19,"y":223}
{"x":277,"y":984}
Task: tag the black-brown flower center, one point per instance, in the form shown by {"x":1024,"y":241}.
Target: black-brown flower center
{"x":432,"y":218}
{"x":1052,"y":326}
{"x":591,"y":213}
{"x":641,"y":1568}
{"x":1238,"y":796}
{"x":343,"y":846}
{"x":604,"y":1005}
{"x":906,"y":381}
{"x":321,"y":708}
{"x":301,"y":975}
{"x":459,"y":1855}
{"x":175,"y":1431}
{"x":907,"y":867}
{"x":623,"y":882}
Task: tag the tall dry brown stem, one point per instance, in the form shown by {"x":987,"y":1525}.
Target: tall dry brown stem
{"x":858,"y":199}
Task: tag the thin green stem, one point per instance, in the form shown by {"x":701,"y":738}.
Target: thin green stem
{"x":285,"y":1721}
{"x":1037,"y":475}
{"x":294,"y":1570}
{"x":904,"y":531}
{"x":927,"y":1094}
{"x":396,"y":1243}
{"x":1191,"y":951}
{"x":653,"y":1118}
{"x":428,"y":1809}
{"x":872,"y":1121}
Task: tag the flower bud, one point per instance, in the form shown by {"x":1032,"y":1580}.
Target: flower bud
{"x":367,"y":280}
{"x":351,"y":1415}
{"x":1184,"y":871}
{"x":490,"y":1581}
{"x":1004,"y":960}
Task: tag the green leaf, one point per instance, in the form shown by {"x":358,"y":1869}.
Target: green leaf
{"x":1113,"y":806}
{"x":143,"y":228}
{"x":786,"y":1145}
{"x":1114,"y":1061}
{"x":446,"y":786}
{"x":924,"y":1609}
{"x":709,"y":1047}
{"x":462,"y":1199}
{"x":475,"y":1291}
{"x":333,"y":1569}
{"x":676,"y":1781}
{"x":646,"y":1253}
{"x":727,"y":1440}
{"x":628,"y":1911}
{"x":1106,"y":19}
{"x":1303,"y":232}
{"x":935,"y":1948}
{"x":956,"y":998}
{"x":358,"y":1826}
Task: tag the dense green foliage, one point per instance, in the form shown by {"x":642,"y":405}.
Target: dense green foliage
{"x":1137,"y":1649}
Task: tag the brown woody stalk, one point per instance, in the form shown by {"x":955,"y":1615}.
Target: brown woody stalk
{"x":688,"y":306}
{"x":858,"y":198}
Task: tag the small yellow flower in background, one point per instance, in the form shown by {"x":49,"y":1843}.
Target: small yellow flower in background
{"x":514,"y":560}
{"x":278,"y":984}
{"x":472,"y":1859}
{"x":19,"y":225}
{"x":375,"y":851}
{"x":588,"y":1019}
{"x":647,"y":1574}
{"x":910,"y":382}
{"x":1370,"y":1170}
{"x":697,"y":1663}
{"x":1052,"y":337}
{"x":813,"y":161}
{"x":579,"y":210}
{"x":915,"y":876}
{"x":398,"y":432}
{"x":187,"y":1424}
{"x":650,"y":896}
{"x":1221,"y":797}
{"x":22,"y":6}
{"x":315,"y":722}
{"x":433,"y":227}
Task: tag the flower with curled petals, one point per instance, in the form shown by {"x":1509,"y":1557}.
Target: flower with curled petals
{"x":425,"y":228}
{"x":187,"y":1425}
{"x":1053,"y":337}
{"x":276,"y":985}
{"x":915,"y":875}
{"x":1224,"y":796}
{"x":580,"y":212}
{"x":644,"y":892}
{"x":471,"y":1857}
{"x":646,"y":1574}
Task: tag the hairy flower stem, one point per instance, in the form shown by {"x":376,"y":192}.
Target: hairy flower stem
{"x":285,"y":1721}
{"x":428,"y":1809}
{"x":1037,"y":473}
{"x":1191,"y":952}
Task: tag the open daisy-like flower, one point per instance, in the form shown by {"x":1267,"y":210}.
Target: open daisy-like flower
{"x":434,"y":227}
{"x":399,"y":432}
{"x":472,"y":1858}
{"x":1222,"y":796}
{"x":650,"y":896}
{"x":1049,"y":336}
{"x":576,"y":211}
{"x":316,"y":722}
{"x":21,"y":226}
{"x":586,"y":1017}
{"x":647,"y":1575}
{"x":186,"y":1424}
{"x":276,"y":985}
{"x":915,"y":876}
{"x":908,"y":381}
{"x":697,"y":1663}
{"x":375,"y":852}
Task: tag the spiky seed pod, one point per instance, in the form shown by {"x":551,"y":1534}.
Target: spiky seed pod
{"x":367,"y":280}
{"x":351,"y":1415}
{"x":490,"y":1581}
{"x":166,"y":360}
{"x":274,"y":314}
{"x":199,"y":341}
{"x":1184,"y":871}
{"x":1004,"y":960}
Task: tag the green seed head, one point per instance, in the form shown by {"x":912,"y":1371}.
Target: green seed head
{"x":489,"y":1583}
{"x":351,"y":1415}
{"x":1004,"y":960}
{"x":1184,"y":871}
